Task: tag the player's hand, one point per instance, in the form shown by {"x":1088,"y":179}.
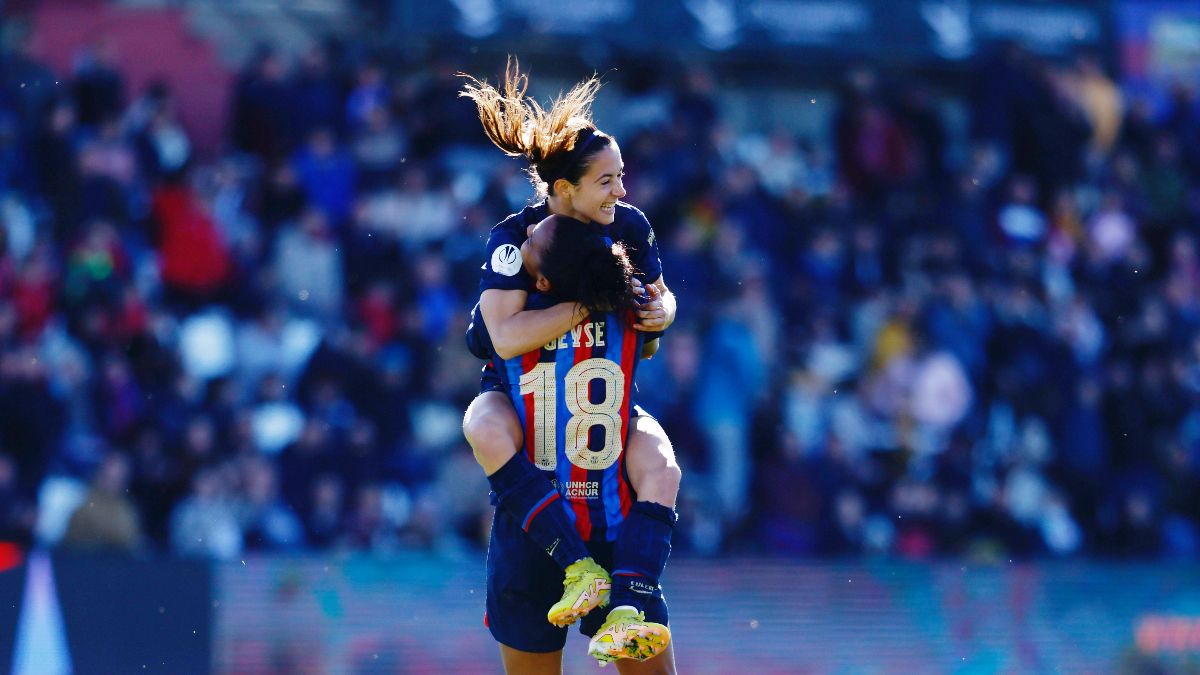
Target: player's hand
{"x":652,"y":316}
{"x":639,"y":289}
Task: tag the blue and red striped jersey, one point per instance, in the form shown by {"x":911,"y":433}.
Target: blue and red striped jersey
{"x":573,"y":399}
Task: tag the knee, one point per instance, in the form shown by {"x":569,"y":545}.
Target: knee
{"x":490,"y":442}
{"x":655,"y":474}
{"x":486,"y":430}
{"x":492,"y":435}
{"x":665,"y":478}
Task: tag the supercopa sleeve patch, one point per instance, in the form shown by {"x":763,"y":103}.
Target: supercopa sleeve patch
{"x":506,"y":260}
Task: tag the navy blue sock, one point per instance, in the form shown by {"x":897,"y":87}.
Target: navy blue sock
{"x":640,"y":555}
{"x":525,"y":493}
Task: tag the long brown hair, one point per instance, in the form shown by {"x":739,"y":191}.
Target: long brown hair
{"x":557,"y":143}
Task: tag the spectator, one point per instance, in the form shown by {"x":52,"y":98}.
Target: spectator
{"x":1100,"y":100}
{"x":368,"y":527}
{"x":317,"y":95}
{"x":324,"y":523}
{"x":162,"y":142}
{"x":370,"y":94}
{"x":730,"y":386}
{"x":327,"y":174}
{"x":1021,"y":222}
{"x":205,"y":524}
{"x":265,"y":521}
{"x":107,"y":520}
{"x":195,"y":262}
{"x":262,"y":107}
{"x":55,"y":167}
{"x":378,"y":147}
{"x":412,"y":210}
{"x":98,"y":87}
{"x":309,"y":267}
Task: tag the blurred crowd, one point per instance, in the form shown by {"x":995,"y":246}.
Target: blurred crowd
{"x":898,"y":337}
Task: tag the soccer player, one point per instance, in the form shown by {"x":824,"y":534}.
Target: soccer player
{"x":572,"y":396}
{"x":578,"y":172}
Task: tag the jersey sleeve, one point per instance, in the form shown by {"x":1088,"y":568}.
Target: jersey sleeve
{"x":479,"y":341}
{"x":504,"y":268}
{"x":643,"y":246}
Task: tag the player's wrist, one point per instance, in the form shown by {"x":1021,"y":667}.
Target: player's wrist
{"x":669,"y":308}
{"x":579,"y":313}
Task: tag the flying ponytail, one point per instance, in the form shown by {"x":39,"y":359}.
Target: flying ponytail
{"x":557,"y":143}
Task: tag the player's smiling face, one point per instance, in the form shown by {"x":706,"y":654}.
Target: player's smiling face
{"x":595,"y":197}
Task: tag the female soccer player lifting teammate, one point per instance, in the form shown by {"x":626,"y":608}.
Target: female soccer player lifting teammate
{"x":577,"y":170}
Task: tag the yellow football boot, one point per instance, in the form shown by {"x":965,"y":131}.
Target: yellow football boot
{"x":586,"y":587}
{"x":628,"y":635}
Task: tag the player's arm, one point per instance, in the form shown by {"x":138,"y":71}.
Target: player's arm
{"x":658,"y":312}
{"x":516,"y":330}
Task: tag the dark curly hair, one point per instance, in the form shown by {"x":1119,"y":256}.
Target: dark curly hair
{"x":584,"y":266}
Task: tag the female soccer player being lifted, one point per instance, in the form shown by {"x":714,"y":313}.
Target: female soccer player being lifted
{"x":578,"y":172}
{"x":573,"y":395}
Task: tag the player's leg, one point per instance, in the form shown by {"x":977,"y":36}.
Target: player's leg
{"x":494,"y":433}
{"x":493,"y":430}
{"x":644,"y":544}
{"x":650,"y":462}
{"x":517,"y":662}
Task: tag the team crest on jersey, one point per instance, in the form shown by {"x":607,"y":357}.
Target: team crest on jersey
{"x":506,"y":260}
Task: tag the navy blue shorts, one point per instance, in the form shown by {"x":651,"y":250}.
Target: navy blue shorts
{"x":491,"y":380}
{"x":523,"y":582}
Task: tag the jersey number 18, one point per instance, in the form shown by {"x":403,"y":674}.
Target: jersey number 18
{"x":585,"y":414}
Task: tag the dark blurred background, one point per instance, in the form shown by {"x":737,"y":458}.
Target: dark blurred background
{"x":936,"y":264}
